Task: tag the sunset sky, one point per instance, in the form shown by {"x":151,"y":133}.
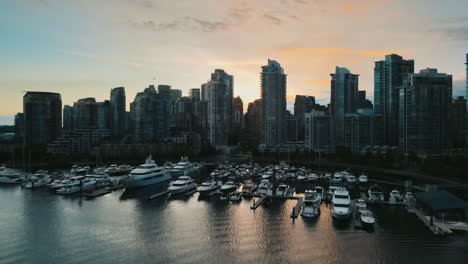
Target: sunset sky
{"x":83,"y":48}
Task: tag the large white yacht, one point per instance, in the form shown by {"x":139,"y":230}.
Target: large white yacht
{"x":9,"y":176}
{"x":184,"y":167}
{"x":207,"y":188}
{"x":341,"y":204}
{"x":183,"y":184}
{"x":311,"y":204}
{"x":145,"y":175}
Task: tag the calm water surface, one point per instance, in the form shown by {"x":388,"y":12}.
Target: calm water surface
{"x":37,"y":227}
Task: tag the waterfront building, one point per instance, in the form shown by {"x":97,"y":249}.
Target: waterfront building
{"x":42,"y":117}
{"x":103,"y":118}
{"x":19,"y":127}
{"x":389,"y":75}
{"x":273,"y":95}
{"x":292,"y":127}
{"x":302,"y":104}
{"x":343,"y":100}
{"x":425,"y":100}
{"x":317,"y":131}
{"x":194,"y":94}
{"x":218,"y":92}
{"x":362,"y":129}
{"x":67,"y":117}
{"x":174,"y":93}
{"x":457,"y":123}
{"x":253,"y":123}
{"x":363,"y":103}
{"x":117,"y":111}
{"x":85,"y":113}
{"x":78,"y":142}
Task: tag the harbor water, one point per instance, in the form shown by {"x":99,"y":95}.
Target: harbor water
{"x":37,"y":227}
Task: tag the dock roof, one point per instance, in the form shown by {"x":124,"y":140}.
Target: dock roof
{"x":441,"y":200}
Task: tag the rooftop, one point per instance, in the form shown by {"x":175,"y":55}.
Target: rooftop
{"x":441,"y":200}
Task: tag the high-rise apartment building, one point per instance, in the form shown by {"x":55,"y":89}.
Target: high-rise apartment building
{"x":273,"y":95}
{"x":218,"y":92}
{"x":42,"y":117}
{"x":343,"y":100}
{"x":425,"y":101}
{"x":194,"y":94}
{"x":302,"y":104}
{"x":85,"y":113}
{"x":317,"y":131}
{"x":67,"y":118}
{"x":117,"y":112}
{"x":389,"y":75}
{"x":103,"y":115}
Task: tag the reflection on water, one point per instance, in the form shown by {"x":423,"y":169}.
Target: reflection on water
{"x":37,"y":227}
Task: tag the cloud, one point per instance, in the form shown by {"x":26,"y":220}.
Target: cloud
{"x":240,"y":14}
{"x":142,"y":3}
{"x":182,"y":24}
{"x":273,"y":19}
{"x":337,"y":51}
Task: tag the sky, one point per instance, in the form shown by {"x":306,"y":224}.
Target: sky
{"x":83,"y":48}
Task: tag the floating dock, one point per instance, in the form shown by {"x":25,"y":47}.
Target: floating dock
{"x":297,"y":208}
{"x":436,"y":227}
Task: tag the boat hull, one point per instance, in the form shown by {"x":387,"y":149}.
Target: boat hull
{"x":135,"y":184}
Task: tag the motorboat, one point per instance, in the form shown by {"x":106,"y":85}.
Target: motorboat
{"x":363,"y":179}
{"x":268,"y":175}
{"x":337,"y":178}
{"x":350,"y":179}
{"x":395,"y":197}
{"x":228,"y":187}
{"x":341,"y":205}
{"x":311,"y":204}
{"x":283,"y":190}
{"x":360,"y":205}
{"x":9,"y":176}
{"x":207,"y":188}
{"x":39,"y":179}
{"x":249,"y":187}
{"x":75,"y":185}
{"x":319,"y":190}
{"x":235,"y":196}
{"x":376,"y":195}
{"x":183,"y":185}
{"x":312,"y":177}
{"x":301,"y":177}
{"x":185,"y":167}
{"x":367,"y":218}
{"x":145,"y":175}
{"x":265,"y":188}
{"x":101,"y":180}
{"x":117,"y":170}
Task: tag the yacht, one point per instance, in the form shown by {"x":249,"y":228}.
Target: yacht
{"x":350,"y":179}
{"x":228,"y":187}
{"x":9,"y":176}
{"x":145,"y":175}
{"x":311,"y":204}
{"x":207,"y":188}
{"x":395,"y":197}
{"x":39,"y":179}
{"x":76,"y":184}
{"x":235,"y":196}
{"x":341,"y":204}
{"x":320,"y":191}
{"x":337,"y":177}
{"x":301,"y":177}
{"x":312,"y":177}
{"x":283,"y":190}
{"x":265,"y":188}
{"x":117,"y":170}
{"x":367,"y":218}
{"x":375,"y":195}
{"x":184,"y":167}
{"x":360,"y":205}
{"x":268,"y":175}
{"x":363,"y":179}
{"x":183,"y":185}
{"x":248,"y":187}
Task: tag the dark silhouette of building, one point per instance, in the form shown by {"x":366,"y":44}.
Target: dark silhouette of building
{"x":273,"y":93}
{"x":194,"y":94}
{"x":85,"y":113}
{"x":457,"y":122}
{"x":238,"y":120}
{"x":42,"y":117}
{"x":363,"y":103}
{"x":425,"y":101}
{"x":253,"y":123}
{"x":117,"y":112}
{"x":67,"y":118}
{"x":292,"y":127}
{"x":302,"y":104}
{"x":389,"y":75}
{"x":343,"y":100}
{"x":19,"y":127}
{"x":103,"y":118}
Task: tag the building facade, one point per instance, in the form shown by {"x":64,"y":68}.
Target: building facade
{"x":85,"y":113}
{"x":343,"y":100}
{"x":118,"y":112}
{"x":42,"y":117}
{"x":302,"y":104}
{"x":389,"y":75}
{"x":273,"y":95}
{"x":425,"y":101}
{"x":317,"y":131}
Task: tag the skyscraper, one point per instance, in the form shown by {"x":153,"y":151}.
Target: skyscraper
{"x":103,"y":115}
{"x":67,"y":118}
{"x":117,"y":111}
{"x":19,"y":127}
{"x":343,"y":100}
{"x":425,"y":101}
{"x":218,"y":93}
{"x":145,"y":115}
{"x":317,"y":131}
{"x":303,"y":104}
{"x":42,"y":117}
{"x":389,"y":75}
{"x":194,"y":94}
{"x":253,"y":122}
{"x":273,"y":94}
{"x":85,"y":113}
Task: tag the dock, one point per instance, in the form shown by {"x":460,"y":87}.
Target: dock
{"x":297,"y":208}
{"x":258,"y":202}
{"x":97,"y":193}
{"x":157,"y":195}
{"x":436,"y":227}
{"x":355,"y":219}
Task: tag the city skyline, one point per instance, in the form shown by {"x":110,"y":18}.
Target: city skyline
{"x":101,"y":57}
